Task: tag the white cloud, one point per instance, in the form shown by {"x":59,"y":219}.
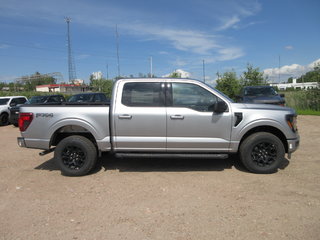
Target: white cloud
{"x":230,"y":22}
{"x":289,"y":47}
{"x":293,"y":70}
{"x":235,"y":13}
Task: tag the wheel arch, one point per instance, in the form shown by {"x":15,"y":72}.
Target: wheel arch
{"x":70,"y":130}
{"x":270,"y":129}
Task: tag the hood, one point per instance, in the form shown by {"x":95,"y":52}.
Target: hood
{"x":264,"y":99}
{"x":271,"y":107}
{"x":3,"y":107}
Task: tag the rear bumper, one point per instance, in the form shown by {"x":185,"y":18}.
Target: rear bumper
{"x":33,"y":143}
{"x":21,"y":142}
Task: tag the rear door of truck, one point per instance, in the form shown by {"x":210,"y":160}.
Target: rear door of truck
{"x":139,"y":116}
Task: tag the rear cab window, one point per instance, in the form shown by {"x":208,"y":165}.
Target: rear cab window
{"x":144,"y":94}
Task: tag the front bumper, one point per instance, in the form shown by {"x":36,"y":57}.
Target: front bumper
{"x":293,"y":145}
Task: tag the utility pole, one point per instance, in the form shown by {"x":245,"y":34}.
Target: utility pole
{"x":107,"y":66}
{"x":118,"y":59}
{"x":71,"y":64}
{"x":151,"y":73}
{"x":279,"y":71}
{"x":204,"y":73}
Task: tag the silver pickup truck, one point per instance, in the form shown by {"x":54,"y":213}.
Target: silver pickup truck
{"x":161,"y":118}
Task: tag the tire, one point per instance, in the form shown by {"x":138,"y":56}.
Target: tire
{"x":16,"y":124}
{"x":262,"y":152}
{"x":4,"y":119}
{"x":75,"y":155}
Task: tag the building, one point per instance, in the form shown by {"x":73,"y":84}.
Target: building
{"x":96,"y":75}
{"x":62,"y":88}
{"x":295,"y":85}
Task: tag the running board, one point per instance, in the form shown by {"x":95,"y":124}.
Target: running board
{"x":171,"y":155}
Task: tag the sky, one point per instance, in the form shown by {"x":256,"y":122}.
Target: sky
{"x":200,"y":37}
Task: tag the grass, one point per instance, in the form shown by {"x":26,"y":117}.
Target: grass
{"x":308,"y":112}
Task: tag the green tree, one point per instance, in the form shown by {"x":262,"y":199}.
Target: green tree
{"x":175,"y":75}
{"x":252,"y":77}
{"x":229,"y":84}
{"x":102,"y":85}
{"x":311,"y":76}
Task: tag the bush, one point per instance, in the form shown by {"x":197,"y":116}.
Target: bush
{"x":303,"y":100}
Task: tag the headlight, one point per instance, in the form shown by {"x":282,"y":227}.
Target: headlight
{"x":292,"y":122}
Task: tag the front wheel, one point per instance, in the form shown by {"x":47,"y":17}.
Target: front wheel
{"x":262,"y":152}
{"x":75,"y":155}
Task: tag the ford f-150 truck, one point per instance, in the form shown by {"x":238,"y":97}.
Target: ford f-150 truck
{"x":161,"y":117}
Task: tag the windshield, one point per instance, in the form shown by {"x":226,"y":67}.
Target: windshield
{"x":260,"y":91}
{"x":4,"y":101}
{"x":38,"y":99}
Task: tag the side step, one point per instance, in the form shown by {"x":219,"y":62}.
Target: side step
{"x":171,"y":155}
{"x":46,"y":151}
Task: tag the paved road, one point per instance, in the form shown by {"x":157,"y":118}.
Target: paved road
{"x":160,"y":199}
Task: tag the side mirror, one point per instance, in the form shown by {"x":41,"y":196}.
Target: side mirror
{"x":282,"y":95}
{"x":219,"y":107}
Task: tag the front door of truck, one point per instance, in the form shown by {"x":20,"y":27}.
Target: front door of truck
{"x":140,"y":117}
{"x":191,"y":123}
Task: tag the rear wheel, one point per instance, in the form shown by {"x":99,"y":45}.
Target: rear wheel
{"x":75,"y":155}
{"x":4,"y":119}
{"x":262,"y":152}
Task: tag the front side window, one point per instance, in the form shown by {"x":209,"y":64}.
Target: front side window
{"x":142,"y":95}
{"x":193,"y":96}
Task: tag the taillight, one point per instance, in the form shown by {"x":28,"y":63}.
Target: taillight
{"x":24,"y":121}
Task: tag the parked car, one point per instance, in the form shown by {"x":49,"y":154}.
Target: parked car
{"x":261,"y":94}
{"x":47,"y":99}
{"x":6,"y":103}
{"x":89,"y":97}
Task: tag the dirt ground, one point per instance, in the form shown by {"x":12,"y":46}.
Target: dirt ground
{"x":160,"y":199}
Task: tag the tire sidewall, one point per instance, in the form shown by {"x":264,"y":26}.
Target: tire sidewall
{"x":4,"y":116}
{"x":253,"y":140}
{"x":86,"y":146}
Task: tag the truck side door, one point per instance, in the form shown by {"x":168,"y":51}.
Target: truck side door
{"x":140,"y":117}
{"x":191,"y":123}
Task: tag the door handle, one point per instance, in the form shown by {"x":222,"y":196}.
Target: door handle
{"x":125,"y":116}
{"x":177,"y":117}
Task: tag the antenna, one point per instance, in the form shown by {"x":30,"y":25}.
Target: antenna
{"x":71,"y":65}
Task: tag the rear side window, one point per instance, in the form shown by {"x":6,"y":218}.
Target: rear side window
{"x":142,"y":95}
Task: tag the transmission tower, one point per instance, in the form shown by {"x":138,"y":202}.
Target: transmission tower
{"x":71,"y":65}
